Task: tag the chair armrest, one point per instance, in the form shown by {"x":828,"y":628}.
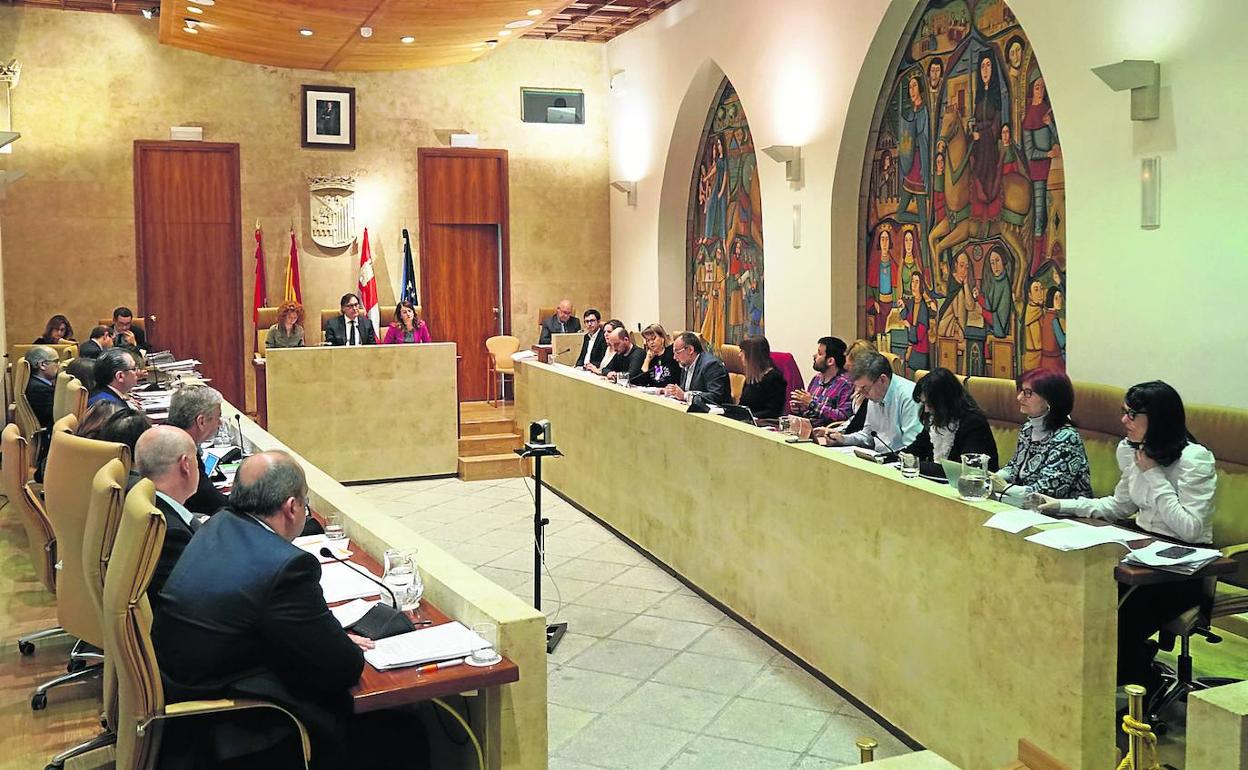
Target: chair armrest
{"x":201,"y":707}
{"x":1239,"y":553}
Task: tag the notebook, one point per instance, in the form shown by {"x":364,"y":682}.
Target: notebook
{"x":425,"y":645}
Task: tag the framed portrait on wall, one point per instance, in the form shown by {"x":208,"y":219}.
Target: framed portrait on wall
{"x":328,"y":117}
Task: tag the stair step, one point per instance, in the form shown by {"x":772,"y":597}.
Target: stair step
{"x":497,"y":466}
{"x":488,"y":444}
{"x":478,"y":426}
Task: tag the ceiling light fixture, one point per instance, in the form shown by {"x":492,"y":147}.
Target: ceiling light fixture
{"x":520,"y":24}
{"x":204,"y":2}
{"x":504,"y":32}
{"x":191,"y":23}
{"x":305,"y":32}
{"x":535,"y":12}
{"x":366,"y":32}
{"x":189,"y":9}
{"x":190,"y":30}
{"x":407,"y":40}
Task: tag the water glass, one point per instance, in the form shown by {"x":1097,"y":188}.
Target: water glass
{"x":786,"y":424}
{"x":975,"y":483}
{"x":909,"y":465}
{"x":402,"y":578}
{"x":333,"y":527}
{"x":486,"y":655}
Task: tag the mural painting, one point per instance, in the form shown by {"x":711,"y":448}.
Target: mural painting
{"x":964,"y":230}
{"x":724,"y":300}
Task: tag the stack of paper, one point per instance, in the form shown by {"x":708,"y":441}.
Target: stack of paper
{"x":340,"y":583}
{"x":1016,"y":520}
{"x":314,"y":543}
{"x":1076,"y":536}
{"x":1183,"y":559}
{"x":426,"y":645}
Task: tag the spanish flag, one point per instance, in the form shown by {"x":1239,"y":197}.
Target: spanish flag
{"x":292,"y":273}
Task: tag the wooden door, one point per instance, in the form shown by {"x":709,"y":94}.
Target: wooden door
{"x":188,"y":243}
{"x":464,"y":257}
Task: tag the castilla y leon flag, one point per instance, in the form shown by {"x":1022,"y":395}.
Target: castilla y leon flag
{"x":368,"y":284}
{"x":261,"y":297}
{"x":292,"y":273}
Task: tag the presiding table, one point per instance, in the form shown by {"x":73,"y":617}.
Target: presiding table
{"x":965,"y":638}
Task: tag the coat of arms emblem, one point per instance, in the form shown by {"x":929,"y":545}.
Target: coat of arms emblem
{"x":332,"y":210}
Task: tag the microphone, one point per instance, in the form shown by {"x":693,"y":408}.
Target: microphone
{"x":883,"y":458}
{"x":565,"y":350}
{"x":238,"y":421}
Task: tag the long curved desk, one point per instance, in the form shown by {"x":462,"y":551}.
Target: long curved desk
{"x":965,"y":638}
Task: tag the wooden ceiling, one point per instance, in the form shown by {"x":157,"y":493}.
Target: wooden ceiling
{"x":444,"y":31}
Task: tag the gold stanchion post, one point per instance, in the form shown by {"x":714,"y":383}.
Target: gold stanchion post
{"x":866,"y":749}
{"x":1135,"y":707}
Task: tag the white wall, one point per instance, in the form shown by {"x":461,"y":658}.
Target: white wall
{"x":1167,"y":303}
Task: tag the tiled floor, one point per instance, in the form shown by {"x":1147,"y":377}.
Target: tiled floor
{"x":649,"y":675}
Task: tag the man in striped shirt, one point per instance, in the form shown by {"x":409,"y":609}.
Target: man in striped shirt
{"x":828,"y":397}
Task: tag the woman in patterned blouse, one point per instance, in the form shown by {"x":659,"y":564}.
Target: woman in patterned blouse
{"x":1049,"y":458}
{"x":660,"y":368}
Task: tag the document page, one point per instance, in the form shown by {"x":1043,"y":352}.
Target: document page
{"x":340,"y":583}
{"x":426,"y":645}
{"x":1016,"y":520}
{"x":1077,"y":536}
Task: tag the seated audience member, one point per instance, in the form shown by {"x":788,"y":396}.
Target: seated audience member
{"x":765,"y":387}
{"x":407,"y":328}
{"x":242,"y":615}
{"x":1168,"y":483}
{"x":829,"y":397}
{"x":116,"y":374}
{"x":953,"y":424}
{"x":562,"y":322}
{"x":166,"y":455}
{"x":1049,"y":457}
{"x":101,"y":340}
{"x":44,"y":366}
{"x":196,"y":409}
{"x":660,"y":367}
{"x":125,"y":426}
{"x":97,"y":416}
{"x":628,"y":358}
{"x":601,"y":366}
{"x":288,"y":331}
{"x":352,"y":327}
{"x":126,"y":334}
{"x":56,"y":331}
{"x":892,"y":413}
{"x":594,"y":345}
{"x":84,"y":370}
{"x":858,"y":401}
{"x":701,"y":373}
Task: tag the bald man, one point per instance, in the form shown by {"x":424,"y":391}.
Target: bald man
{"x":243,"y":615}
{"x":166,"y":456}
{"x":564,"y":321}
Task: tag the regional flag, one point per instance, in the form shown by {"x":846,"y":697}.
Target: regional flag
{"x":368,"y":284}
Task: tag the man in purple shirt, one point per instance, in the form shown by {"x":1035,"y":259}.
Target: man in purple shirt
{"x":828,"y":398}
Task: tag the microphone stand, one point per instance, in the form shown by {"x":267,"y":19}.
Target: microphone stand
{"x":554,"y":632}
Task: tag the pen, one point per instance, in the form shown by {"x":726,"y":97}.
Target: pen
{"x":429,"y":668}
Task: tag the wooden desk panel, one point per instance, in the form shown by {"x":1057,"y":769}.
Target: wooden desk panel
{"x":367,"y":413}
{"x":966,"y":638}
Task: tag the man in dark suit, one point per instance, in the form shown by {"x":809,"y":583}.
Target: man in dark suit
{"x":196,"y":409}
{"x":628,"y":358}
{"x":116,"y":374}
{"x":101,"y":340}
{"x":166,"y":455}
{"x":40,"y":390}
{"x":700,"y":372}
{"x":243,"y":615}
{"x":352,"y":327}
{"x":125,"y":333}
{"x":562,"y":322}
{"x":594,"y":346}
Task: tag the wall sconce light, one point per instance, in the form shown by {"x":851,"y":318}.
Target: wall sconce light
{"x":1150,"y":194}
{"x":1143,"y":78}
{"x":791,"y":156}
{"x":628,"y":188}
{"x":797,"y":225}
{"x":7,"y":137}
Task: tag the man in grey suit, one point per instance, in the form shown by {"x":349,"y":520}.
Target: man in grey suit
{"x":562,"y":322}
{"x":700,"y":372}
{"x":352,"y":327}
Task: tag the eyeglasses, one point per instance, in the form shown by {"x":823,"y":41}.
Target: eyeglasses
{"x":1027,"y":392}
{"x":1131,"y":414}
{"x":307,"y":509}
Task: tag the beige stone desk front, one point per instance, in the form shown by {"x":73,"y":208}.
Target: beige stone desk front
{"x":966,"y":638}
{"x":367,"y":413}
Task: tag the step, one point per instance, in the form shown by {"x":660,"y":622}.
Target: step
{"x":499,"y":466}
{"x":488,"y":444}
{"x":478,"y":426}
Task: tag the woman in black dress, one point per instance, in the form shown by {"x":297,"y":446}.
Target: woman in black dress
{"x":660,"y":368}
{"x":765,"y":391}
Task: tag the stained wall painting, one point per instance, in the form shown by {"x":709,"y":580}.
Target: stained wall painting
{"x":724,"y":275}
{"x":964,"y":232}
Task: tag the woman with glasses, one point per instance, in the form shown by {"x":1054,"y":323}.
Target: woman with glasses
{"x":659,"y":369}
{"x":1049,"y":458}
{"x":953,"y":424}
{"x":56,"y":331}
{"x":1168,"y":483}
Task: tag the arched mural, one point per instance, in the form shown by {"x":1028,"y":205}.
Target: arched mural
{"x":964,"y":231}
{"x":724,"y":298}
